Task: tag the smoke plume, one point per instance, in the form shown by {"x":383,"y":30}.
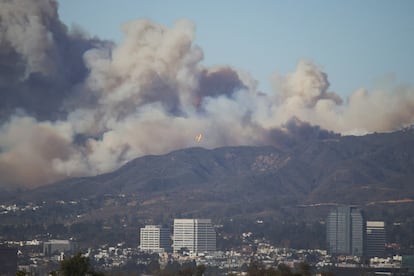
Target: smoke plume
{"x":72,"y":105}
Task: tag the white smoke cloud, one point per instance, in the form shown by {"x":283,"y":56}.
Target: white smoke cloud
{"x":151,"y":94}
{"x":304,"y":94}
{"x":30,"y":148}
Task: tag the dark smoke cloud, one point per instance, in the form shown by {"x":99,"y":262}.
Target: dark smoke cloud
{"x":217,"y":82}
{"x":295,"y":132}
{"x":40,"y":62}
{"x":72,"y":105}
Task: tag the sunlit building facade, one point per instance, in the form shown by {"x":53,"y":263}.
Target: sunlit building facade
{"x":154,"y":238}
{"x":194,"y":235}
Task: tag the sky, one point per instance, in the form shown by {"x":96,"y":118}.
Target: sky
{"x":358,"y":43}
{"x":86,"y":86}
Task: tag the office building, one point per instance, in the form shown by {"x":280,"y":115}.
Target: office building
{"x":345,"y":231}
{"x":56,"y":247}
{"x":375,"y":239}
{"x":194,"y":235}
{"x":154,"y":238}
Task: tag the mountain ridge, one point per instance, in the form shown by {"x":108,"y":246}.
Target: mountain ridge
{"x":248,"y":180}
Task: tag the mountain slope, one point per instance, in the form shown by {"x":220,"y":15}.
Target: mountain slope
{"x":243,"y":181}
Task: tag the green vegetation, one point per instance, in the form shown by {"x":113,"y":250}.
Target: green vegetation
{"x":186,"y":269}
{"x":258,"y":269}
{"x":77,"y":265}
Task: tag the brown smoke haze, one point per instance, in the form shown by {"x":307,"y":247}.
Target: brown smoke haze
{"x":72,"y":105}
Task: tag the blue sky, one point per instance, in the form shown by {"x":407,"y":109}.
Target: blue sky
{"x":357,"y":43}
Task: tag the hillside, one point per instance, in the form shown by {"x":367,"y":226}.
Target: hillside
{"x":251,"y":181}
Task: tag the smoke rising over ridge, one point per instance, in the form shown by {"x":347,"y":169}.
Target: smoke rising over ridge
{"x":72,"y":105}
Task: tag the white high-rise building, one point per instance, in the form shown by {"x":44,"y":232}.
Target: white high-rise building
{"x":194,"y":235}
{"x":154,"y":238}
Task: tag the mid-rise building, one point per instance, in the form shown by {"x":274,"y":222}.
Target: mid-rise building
{"x":194,"y":235}
{"x":154,"y":238}
{"x":375,"y":239}
{"x":56,"y":247}
{"x":345,"y":231}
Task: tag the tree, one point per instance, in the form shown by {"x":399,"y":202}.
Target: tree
{"x":171,"y":268}
{"x":305,"y":269}
{"x":77,"y":265}
{"x":327,"y":273}
{"x":200,"y":270}
{"x":153,"y":266}
{"x":255,"y":269}
{"x":186,"y":271}
{"x":258,"y":269}
{"x":284,"y":269}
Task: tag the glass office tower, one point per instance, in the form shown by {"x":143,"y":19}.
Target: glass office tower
{"x":345,"y":231}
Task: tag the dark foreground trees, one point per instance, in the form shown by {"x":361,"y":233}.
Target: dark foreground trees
{"x":258,"y":269}
{"x":77,"y":265}
{"x":185,"y":269}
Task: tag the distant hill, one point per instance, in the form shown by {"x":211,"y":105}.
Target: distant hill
{"x":251,"y":181}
